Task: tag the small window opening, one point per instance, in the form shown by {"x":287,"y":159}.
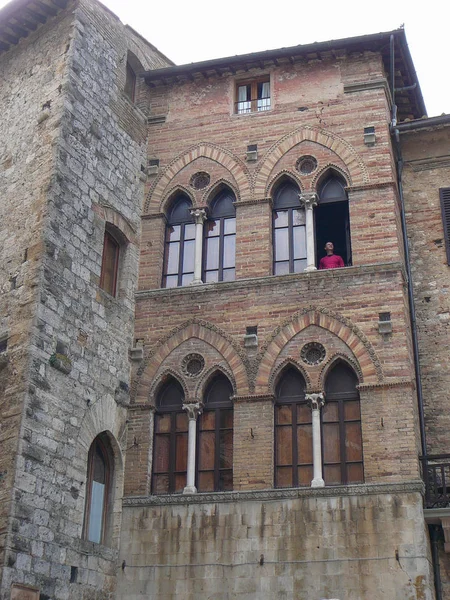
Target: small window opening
{"x":110,"y":264}
{"x":130,"y":83}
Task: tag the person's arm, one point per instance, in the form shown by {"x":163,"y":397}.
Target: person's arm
{"x":341,"y":262}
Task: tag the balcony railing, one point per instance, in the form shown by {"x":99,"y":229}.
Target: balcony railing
{"x":436,"y":476}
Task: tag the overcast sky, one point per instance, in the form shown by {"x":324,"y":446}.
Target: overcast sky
{"x":195,"y":30}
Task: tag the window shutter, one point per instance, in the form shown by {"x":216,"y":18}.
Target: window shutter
{"x":445,"y":208}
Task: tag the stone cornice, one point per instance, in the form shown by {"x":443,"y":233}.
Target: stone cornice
{"x":254,"y":398}
{"x":153,"y":216}
{"x":428,"y":164}
{"x":388,"y":383}
{"x":364,"y":86}
{"x":371,"y":186}
{"x":274,"y":280}
{"x":365,"y":489}
{"x":266,"y":200}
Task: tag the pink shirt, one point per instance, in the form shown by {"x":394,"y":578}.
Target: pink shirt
{"x":331,"y":262}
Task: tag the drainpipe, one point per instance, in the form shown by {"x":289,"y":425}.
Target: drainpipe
{"x":434,"y":536}
{"x":412,"y":309}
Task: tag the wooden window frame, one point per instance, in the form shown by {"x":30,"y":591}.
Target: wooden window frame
{"x":180,"y":272}
{"x":444,"y":197}
{"x":109,"y":465}
{"x":110,"y":240}
{"x":217,"y":447}
{"x":290,"y":227}
{"x":172,"y":459}
{"x":130,"y":82}
{"x":253,"y":83}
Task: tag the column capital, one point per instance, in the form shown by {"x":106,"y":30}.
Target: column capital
{"x":193,"y":409}
{"x":316,"y":400}
{"x":308,"y":199}
{"x":199,"y":215}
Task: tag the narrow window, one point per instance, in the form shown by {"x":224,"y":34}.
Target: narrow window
{"x":180,"y":244}
{"x":110,"y":264}
{"x":252,"y":96}
{"x":293,"y":432}
{"x":332,"y":220}
{"x":130,"y":83}
{"x":289,"y":232}
{"x":341,"y":428}
{"x":220,"y":239}
{"x":444,"y":194}
{"x":170,"y":441}
{"x":99,"y":478}
{"x":215,"y":438}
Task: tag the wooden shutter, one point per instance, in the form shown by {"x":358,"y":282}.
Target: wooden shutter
{"x":445,"y":208}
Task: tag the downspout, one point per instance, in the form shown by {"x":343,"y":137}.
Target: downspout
{"x":412,"y":313}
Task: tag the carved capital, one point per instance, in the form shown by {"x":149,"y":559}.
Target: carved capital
{"x":308,"y":199}
{"x":199,"y":215}
{"x":193,"y":410}
{"x":315,"y":401}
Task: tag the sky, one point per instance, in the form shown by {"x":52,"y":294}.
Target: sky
{"x":196,"y":30}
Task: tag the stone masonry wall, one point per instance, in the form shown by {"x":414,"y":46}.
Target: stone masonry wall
{"x":97,"y":179}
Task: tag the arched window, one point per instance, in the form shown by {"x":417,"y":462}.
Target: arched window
{"x":215,"y":438}
{"x":341,"y":428}
{"x":180,"y":244}
{"x":293,"y":432}
{"x":289,"y":234}
{"x":220,"y":239}
{"x":98,"y":489}
{"x":170,"y":440}
{"x":332,"y":221}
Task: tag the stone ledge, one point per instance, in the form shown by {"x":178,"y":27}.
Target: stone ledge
{"x":268,"y":280}
{"x":365,"y":489}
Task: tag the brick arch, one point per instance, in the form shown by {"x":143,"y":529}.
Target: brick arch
{"x":329,"y":168}
{"x":277,"y":371}
{"x":355,"y":165}
{"x":170,"y":194}
{"x":218,"y":186}
{"x":110,"y":215}
{"x":283,"y":174}
{"x":193,"y":328}
{"x":208,"y":376}
{"x":342,"y":327}
{"x":203,"y":150}
{"x":330,"y":363}
{"x":159,"y":381}
{"x":102,"y":415}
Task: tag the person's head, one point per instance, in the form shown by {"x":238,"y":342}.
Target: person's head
{"x":329,"y":247}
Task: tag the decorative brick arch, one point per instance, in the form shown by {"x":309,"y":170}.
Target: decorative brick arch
{"x":343,"y":328}
{"x":203,"y":150}
{"x":283,"y":174}
{"x":110,"y":215}
{"x":218,"y":186}
{"x":166,"y":200}
{"x":208,"y":376}
{"x":278,"y":370}
{"x":355,"y":165}
{"x":193,"y":328}
{"x":159,"y":381}
{"x":335,"y":358}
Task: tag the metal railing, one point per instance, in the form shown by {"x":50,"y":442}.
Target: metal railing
{"x":436,"y":476}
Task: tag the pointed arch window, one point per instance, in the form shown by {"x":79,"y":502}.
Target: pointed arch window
{"x":341,"y":428}
{"x":215,"y":438}
{"x":179,"y":244}
{"x":170,"y":446}
{"x":98,"y":489}
{"x":289,"y":232}
{"x":332,"y":219}
{"x":293,"y":432}
{"x":220,"y":239}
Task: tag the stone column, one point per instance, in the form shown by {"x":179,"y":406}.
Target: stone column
{"x":199,"y":215}
{"x":193,"y":410}
{"x":316,"y":401}
{"x":309,"y":200}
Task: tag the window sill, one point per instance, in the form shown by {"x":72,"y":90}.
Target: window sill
{"x":360,"y":489}
{"x":105,"y":552}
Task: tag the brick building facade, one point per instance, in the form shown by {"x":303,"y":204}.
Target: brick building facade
{"x":189,"y":406}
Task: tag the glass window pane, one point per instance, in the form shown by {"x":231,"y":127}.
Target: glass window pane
{"x":226,"y":480}
{"x":298,"y":217}
{"x":330,"y":412}
{"x":161,"y":454}
{"x":173,"y":233}
{"x":208,"y":420}
{"x":299,"y":242}
{"x":226,"y":450}
{"x":281,"y":268}
{"x":229,"y":274}
{"x":212,"y":253}
{"x":162,"y":423}
{"x":353,"y":442}
{"x":305,"y":476}
{"x":283,"y":477}
{"x":304,"y":444}
{"x":229,"y":246}
{"x":355,"y":473}
{"x":332,"y":474}
{"x":283,"y":415}
{"x":206,"y":482}
{"x":99,"y":471}
{"x":206,"y":450}
{"x":229,"y":226}
{"x":281,"y":244}
{"x":284,"y":445}
{"x":351,"y":410}
{"x":226,"y":419}
{"x":171,"y":281}
{"x":173,"y":257}
{"x":281,"y":218}
{"x":331,"y":448}
{"x":211,"y":276}
{"x":304,"y":413}
{"x":212,"y":228}
{"x":96,"y":512}
{"x":160,"y":484}
{"x":188,"y":257}
{"x":182,"y":421}
{"x":181,"y":452}
{"x":299,"y":266}
{"x":189,"y":231}
{"x":187,"y":279}
{"x":180,"y":482}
